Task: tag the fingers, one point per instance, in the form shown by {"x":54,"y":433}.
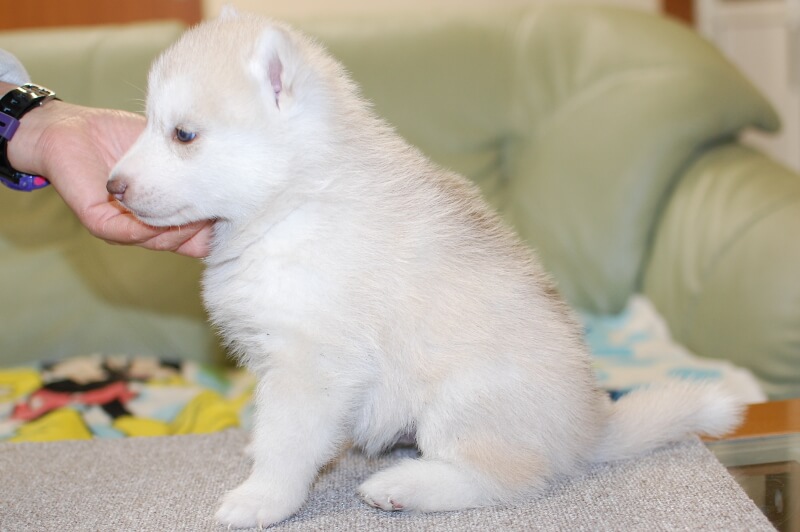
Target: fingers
{"x":191,"y":240}
{"x":123,"y":228}
{"x":79,"y":147}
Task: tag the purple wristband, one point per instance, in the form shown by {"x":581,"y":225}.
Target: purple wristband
{"x":8,"y":125}
{"x":24,"y":182}
{"x":13,"y":105}
{"x":19,"y":180}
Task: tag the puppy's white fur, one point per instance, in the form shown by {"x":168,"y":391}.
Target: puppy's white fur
{"x":372,"y":292}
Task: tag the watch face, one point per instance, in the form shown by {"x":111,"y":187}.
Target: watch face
{"x":22,"y":99}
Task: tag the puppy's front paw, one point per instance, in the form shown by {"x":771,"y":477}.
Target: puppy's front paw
{"x":252,"y":505}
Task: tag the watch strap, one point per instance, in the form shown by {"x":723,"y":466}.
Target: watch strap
{"x":13,"y":107}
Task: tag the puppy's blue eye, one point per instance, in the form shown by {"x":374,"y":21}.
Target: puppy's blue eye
{"x":184,"y":136}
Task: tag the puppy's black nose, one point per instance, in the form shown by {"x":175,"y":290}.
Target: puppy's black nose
{"x":116,"y":187}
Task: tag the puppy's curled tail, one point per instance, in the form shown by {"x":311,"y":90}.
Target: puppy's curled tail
{"x":648,"y":418}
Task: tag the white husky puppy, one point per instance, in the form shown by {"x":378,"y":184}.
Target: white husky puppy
{"x":373,"y":293}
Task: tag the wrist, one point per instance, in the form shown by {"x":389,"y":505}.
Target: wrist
{"x":22,"y":150}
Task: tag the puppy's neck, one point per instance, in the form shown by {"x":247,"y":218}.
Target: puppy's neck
{"x":232,"y":237}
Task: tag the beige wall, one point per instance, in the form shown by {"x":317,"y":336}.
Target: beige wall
{"x":303,"y":8}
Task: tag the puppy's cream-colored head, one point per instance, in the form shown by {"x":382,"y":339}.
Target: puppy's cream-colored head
{"x":232,"y":108}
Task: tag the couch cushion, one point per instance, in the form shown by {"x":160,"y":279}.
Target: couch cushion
{"x":100,"y":66}
{"x":575,"y":121}
{"x":722,"y":273}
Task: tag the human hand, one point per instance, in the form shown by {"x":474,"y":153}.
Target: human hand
{"x":75,"y":148}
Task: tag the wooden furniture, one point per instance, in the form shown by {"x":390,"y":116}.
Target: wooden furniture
{"x":81,"y":12}
{"x":48,"y":13}
{"x":680,"y":9}
{"x":770,"y":419}
{"x":763,"y":455}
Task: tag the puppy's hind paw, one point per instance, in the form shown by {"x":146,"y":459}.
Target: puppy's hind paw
{"x":423,"y":486}
{"x":389,"y":505}
{"x":388,"y":491}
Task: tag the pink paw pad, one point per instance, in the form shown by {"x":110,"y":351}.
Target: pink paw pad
{"x":396,"y":506}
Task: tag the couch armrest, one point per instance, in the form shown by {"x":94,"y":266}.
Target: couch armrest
{"x":725,"y":263}
{"x":98,"y":66}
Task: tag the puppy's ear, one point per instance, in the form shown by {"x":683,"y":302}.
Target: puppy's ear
{"x":273,"y":65}
{"x":228,"y":12}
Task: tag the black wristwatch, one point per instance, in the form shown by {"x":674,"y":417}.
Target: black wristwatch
{"x":13,"y":107}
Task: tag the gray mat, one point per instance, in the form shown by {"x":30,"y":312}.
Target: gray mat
{"x":174,"y":483}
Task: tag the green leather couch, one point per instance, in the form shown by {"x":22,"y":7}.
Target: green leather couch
{"x":608,"y":138}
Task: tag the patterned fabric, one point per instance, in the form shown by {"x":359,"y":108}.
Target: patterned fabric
{"x":117,"y":396}
{"x":635,"y":348}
